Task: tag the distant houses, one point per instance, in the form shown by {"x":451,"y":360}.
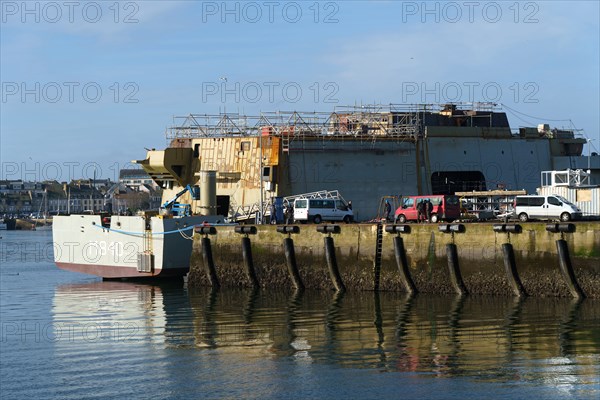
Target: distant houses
{"x":135,"y":178}
{"x":134,"y":191}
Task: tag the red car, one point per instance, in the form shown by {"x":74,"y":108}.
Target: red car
{"x":445,"y":208}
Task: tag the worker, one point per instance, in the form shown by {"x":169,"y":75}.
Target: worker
{"x":428,"y":209}
{"x":388,"y":210}
{"x":273,"y":215}
{"x":289,"y":214}
{"x":420,"y":211}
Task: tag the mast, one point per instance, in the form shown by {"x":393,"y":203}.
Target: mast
{"x":260,"y":177}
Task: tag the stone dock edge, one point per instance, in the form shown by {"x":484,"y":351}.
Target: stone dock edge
{"x":479,"y":248}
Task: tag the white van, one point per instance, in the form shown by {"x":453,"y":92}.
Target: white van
{"x":545,"y":207}
{"x":317,"y":210}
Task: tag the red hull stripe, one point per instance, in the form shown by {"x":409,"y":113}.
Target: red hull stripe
{"x":113,"y":271}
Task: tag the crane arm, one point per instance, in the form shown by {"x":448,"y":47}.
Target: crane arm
{"x":169,"y":203}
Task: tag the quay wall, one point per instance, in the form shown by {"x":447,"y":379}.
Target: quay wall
{"x":479,"y":254}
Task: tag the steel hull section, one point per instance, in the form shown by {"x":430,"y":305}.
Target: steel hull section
{"x":363,"y":172}
{"x":365,"y":168}
{"x":82,"y":244}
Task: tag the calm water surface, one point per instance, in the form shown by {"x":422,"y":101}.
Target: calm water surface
{"x":72,"y":336}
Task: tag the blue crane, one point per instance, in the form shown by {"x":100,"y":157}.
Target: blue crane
{"x":182,"y":209}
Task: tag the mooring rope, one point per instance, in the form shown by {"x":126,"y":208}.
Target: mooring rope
{"x":180,"y":231}
{"x":142,"y":233}
{"x":183,"y":235}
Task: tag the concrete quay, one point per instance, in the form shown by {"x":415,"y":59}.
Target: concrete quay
{"x":362,"y":267}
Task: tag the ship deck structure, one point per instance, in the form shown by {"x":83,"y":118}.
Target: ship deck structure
{"x":365,"y":152}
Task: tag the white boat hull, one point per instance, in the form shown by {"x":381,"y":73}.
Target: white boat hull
{"x":130,"y":247}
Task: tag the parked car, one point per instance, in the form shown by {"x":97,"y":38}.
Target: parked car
{"x":445,"y":208}
{"x":545,"y":207}
{"x":318,"y":210}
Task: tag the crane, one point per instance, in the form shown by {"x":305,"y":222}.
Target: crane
{"x":181,"y":209}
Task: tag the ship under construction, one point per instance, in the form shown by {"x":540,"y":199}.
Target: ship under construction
{"x":364,"y":152}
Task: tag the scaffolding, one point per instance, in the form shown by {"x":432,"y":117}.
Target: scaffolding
{"x":488,"y":204}
{"x":567,"y":178}
{"x":390,"y":121}
{"x":372,"y":122}
{"x":322,"y":194}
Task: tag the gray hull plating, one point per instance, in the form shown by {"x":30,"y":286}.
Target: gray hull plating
{"x":363,"y":172}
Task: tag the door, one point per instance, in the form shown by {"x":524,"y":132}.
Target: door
{"x":408,"y":209}
{"x":554,"y":207}
{"x":341,"y":208}
{"x":301,"y":210}
{"x":330,"y":212}
{"x":537,"y":207}
{"x":451,"y":205}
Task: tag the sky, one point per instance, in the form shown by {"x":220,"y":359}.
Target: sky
{"x":87,"y":86}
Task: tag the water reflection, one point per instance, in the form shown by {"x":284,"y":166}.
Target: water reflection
{"x":206,"y":329}
{"x":378,"y":323}
{"x":568,"y":327}
{"x":123,"y":311}
{"x":405,"y":306}
{"x":490,"y":338}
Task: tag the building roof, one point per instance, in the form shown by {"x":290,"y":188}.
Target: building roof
{"x":133,"y":173}
{"x":118,"y":188}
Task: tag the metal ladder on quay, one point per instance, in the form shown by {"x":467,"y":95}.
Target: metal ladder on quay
{"x":377,"y":261}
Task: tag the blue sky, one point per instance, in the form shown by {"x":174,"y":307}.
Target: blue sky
{"x":87,"y":85}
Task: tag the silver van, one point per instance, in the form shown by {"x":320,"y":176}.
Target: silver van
{"x":545,"y":207}
{"x":318,"y":210}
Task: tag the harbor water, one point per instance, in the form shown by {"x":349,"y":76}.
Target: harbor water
{"x":72,"y":336}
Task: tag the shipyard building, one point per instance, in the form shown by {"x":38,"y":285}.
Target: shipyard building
{"x":364,"y":152}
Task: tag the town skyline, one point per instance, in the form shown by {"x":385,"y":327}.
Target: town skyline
{"x":134,"y":190}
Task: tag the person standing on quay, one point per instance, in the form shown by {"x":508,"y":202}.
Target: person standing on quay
{"x":273,"y":216}
{"x":428,"y":209}
{"x":388,"y":210}
{"x":420,"y":211}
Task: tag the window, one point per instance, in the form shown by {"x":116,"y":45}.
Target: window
{"x":408,"y":203}
{"x":266,"y":173}
{"x":339,"y":204}
{"x":554,"y":201}
{"x":245,"y":146}
{"x":565,"y":201}
{"x":452,"y":200}
{"x":534,"y":201}
{"x":322,"y":203}
{"x":300,"y":203}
